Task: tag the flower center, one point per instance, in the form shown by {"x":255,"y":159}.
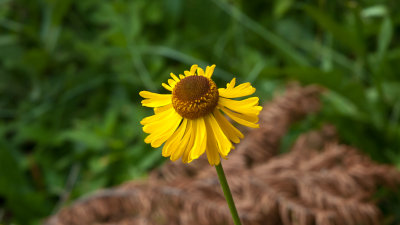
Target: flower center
{"x":195,"y":96}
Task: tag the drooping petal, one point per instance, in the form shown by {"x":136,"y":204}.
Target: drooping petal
{"x":158,"y":125}
{"x":154,"y":99}
{"x":160,"y":131}
{"x":200,"y":141}
{"x":209,"y":71}
{"x":157,"y":102}
{"x":212,"y":152}
{"x":172,"y":145}
{"x":241,"y":90}
{"x":229,"y":130}
{"x":157,"y":116}
{"x":162,"y":108}
{"x":241,"y":118}
{"x":148,"y":94}
{"x":246,"y":106}
{"x":186,"y":154}
{"x":214,"y":131}
{"x":250,"y":117}
{"x":181,"y":145}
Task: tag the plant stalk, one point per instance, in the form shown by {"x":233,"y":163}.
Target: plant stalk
{"x":227,"y":194}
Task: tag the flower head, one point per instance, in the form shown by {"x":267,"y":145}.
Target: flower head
{"x":189,"y":121}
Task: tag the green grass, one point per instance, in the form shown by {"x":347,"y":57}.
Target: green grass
{"x":70,"y":73}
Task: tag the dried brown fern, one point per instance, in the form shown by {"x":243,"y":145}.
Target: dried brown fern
{"x":318,"y":182}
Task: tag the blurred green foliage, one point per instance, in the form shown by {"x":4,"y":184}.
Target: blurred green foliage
{"x":70,"y":73}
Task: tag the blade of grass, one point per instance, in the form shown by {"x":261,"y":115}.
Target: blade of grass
{"x":280,"y":44}
{"x":340,"y":33}
{"x":385,"y":37}
{"x":334,"y":80}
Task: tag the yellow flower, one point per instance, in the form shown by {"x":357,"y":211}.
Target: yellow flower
{"x":189,"y":121}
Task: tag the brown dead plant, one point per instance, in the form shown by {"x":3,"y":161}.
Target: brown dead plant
{"x":319,"y":182}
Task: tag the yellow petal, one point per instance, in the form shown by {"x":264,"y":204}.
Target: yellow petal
{"x":229,"y":130}
{"x":241,"y":118}
{"x":241,"y":90}
{"x":231,"y":84}
{"x":246,"y":106}
{"x":164,"y":131}
{"x":159,"y":125}
{"x":180,"y":146}
{"x":212,"y":153}
{"x":186,"y":154}
{"x":215,"y":132}
{"x":148,"y":94}
{"x":193,"y":69}
{"x":162,"y":108}
{"x":209,"y":71}
{"x":154,"y":99}
{"x":166,"y":86}
{"x":173,"y":143}
{"x":200,"y":141}
{"x":157,"y":116}
{"x":156,"y":102}
{"x":174,"y":77}
{"x":200,"y":71}
{"x":171,"y":83}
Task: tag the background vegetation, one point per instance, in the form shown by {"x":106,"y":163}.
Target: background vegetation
{"x":70,"y":73}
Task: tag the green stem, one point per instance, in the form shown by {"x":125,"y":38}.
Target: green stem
{"x":227,"y":193}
